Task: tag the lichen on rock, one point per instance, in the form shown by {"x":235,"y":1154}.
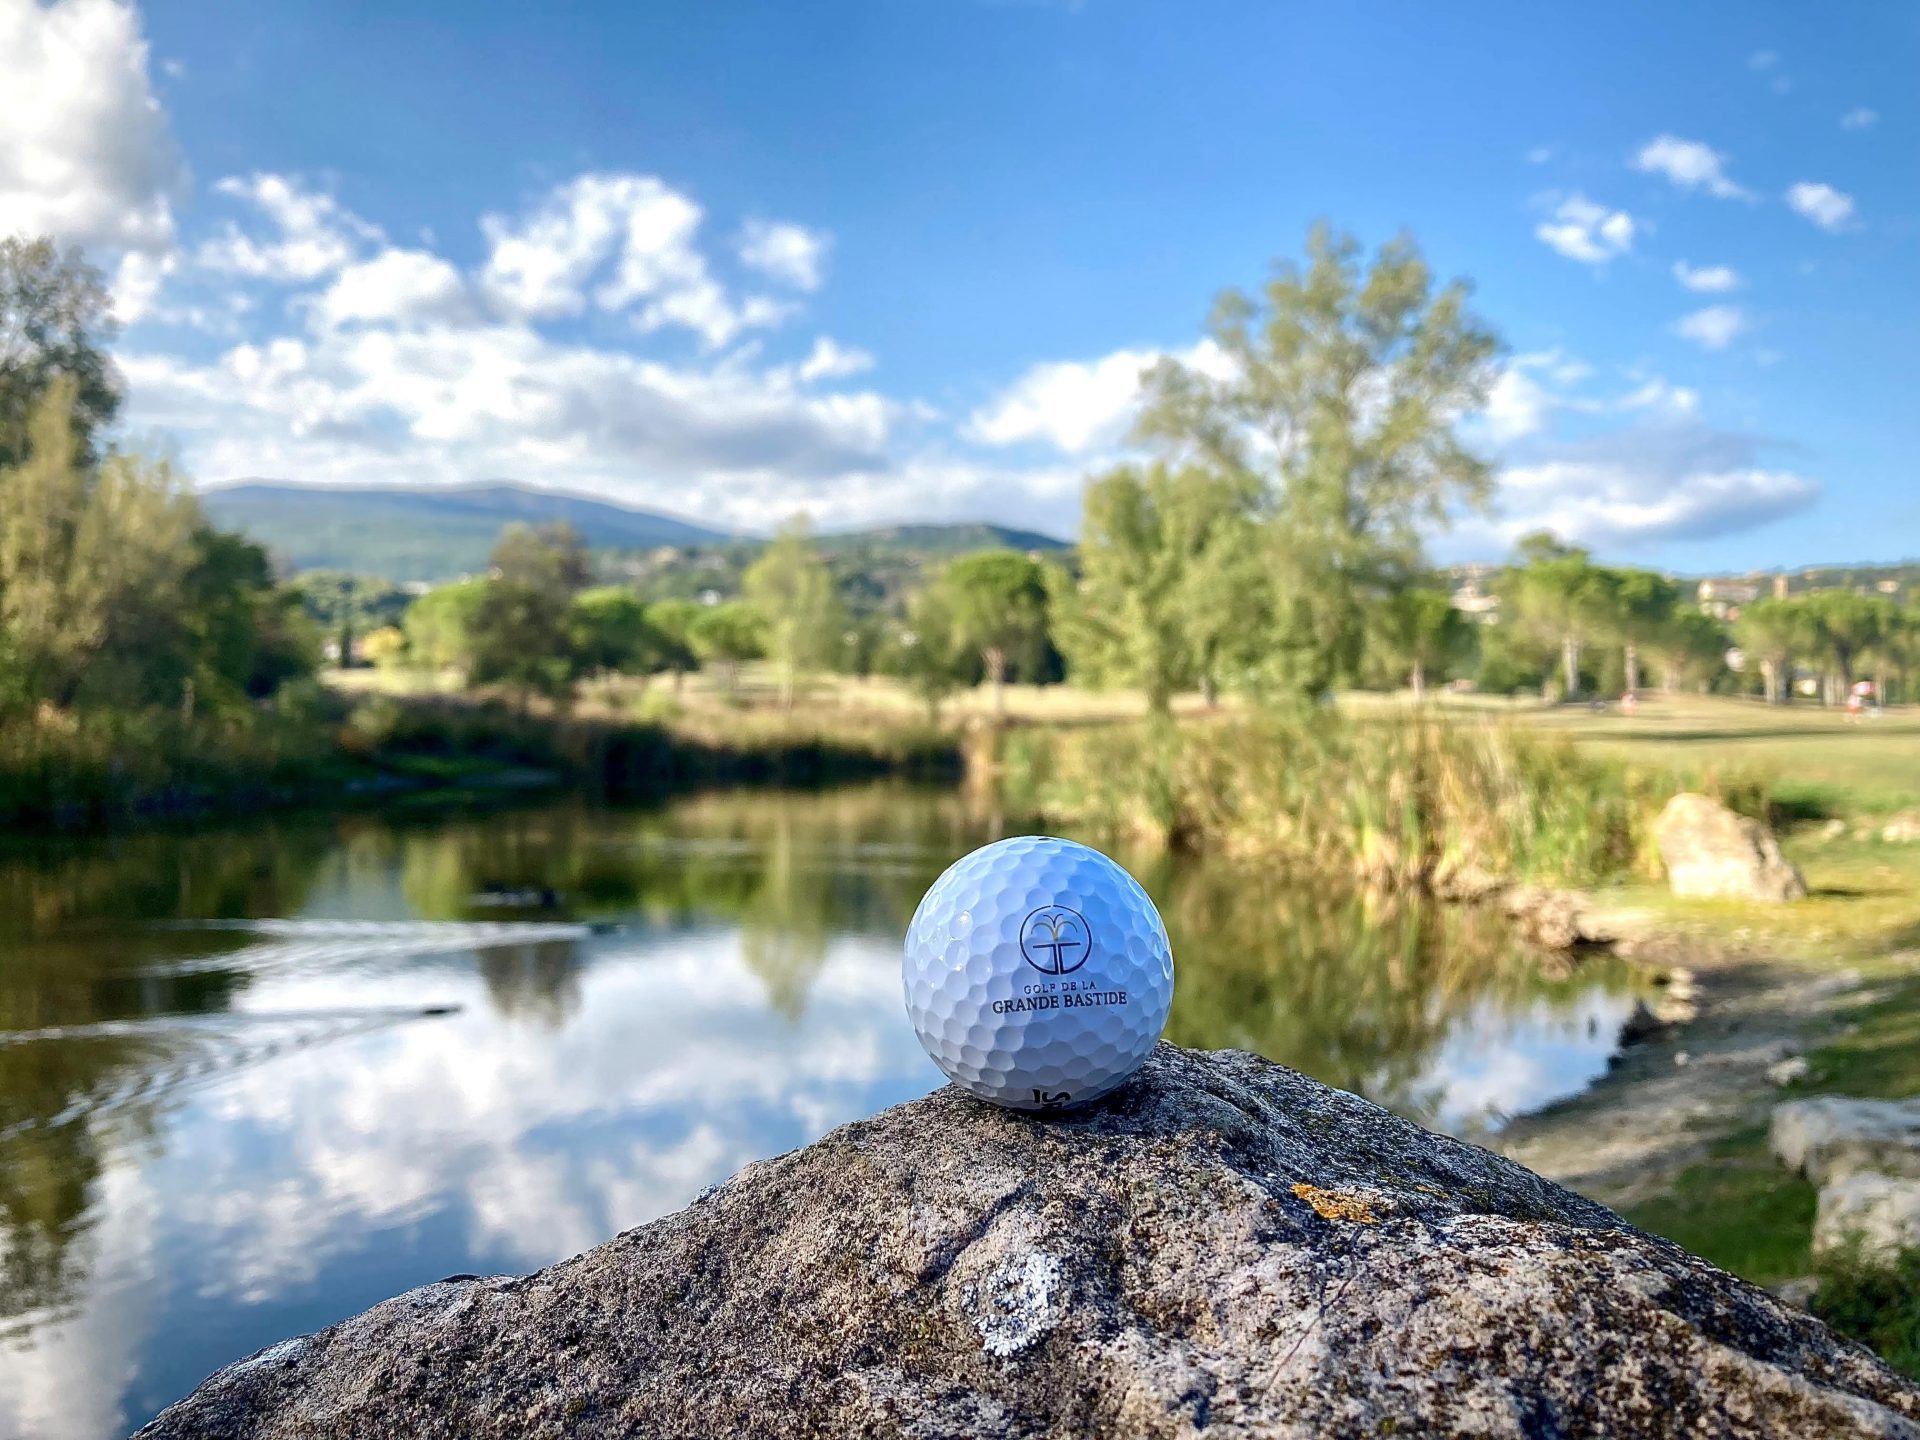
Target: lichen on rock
{"x":1190,"y":1255}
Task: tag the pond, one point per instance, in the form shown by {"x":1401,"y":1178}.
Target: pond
{"x":255,"y":1079}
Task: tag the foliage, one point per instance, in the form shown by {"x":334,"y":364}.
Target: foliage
{"x":340,"y":599}
{"x":1417,"y":633}
{"x":1169,"y":591}
{"x":609,"y":633}
{"x":1334,"y":395}
{"x":519,"y":628}
{"x":998,"y":603}
{"x":928,"y":652}
{"x":1875,"y":1301}
{"x":114,"y":593}
{"x":56,"y":326}
{"x":385,"y":647}
{"x":791,"y":588}
{"x":1398,"y":801}
{"x":439,"y":626}
{"x":728,"y":634}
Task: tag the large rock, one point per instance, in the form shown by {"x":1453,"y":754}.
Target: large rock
{"x":1222,"y":1246}
{"x":1877,"y":1215}
{"x":1710,"y":851}
{"x":1830,"y":1137}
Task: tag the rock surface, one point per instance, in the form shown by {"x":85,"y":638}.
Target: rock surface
{"x":1711,"y":852}
{"x":1221,"y":1246}
{"x":1830,"y":1137}
{"x":1878,"y":1213}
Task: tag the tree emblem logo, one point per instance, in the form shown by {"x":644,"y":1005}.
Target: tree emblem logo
{"x":1055,"y":940}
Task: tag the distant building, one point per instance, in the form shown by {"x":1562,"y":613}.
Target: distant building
{"x":1722,"y":599}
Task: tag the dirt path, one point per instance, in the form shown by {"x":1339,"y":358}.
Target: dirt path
{"x":1674,"y":1093}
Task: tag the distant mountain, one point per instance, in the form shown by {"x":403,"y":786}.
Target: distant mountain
{"x":424,"y":532}
{"x":429,"y":532}
{"x":954,"y":539}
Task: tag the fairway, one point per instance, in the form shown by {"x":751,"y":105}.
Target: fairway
{"x":1818,"y":759}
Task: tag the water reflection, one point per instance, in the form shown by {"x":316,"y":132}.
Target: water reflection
{"x":483,"y":1045}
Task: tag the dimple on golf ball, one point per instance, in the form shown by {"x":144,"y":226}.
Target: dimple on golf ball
{"x":1037,"y":973}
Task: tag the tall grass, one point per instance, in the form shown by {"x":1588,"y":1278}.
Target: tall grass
{"x":1392,"y":800}
{"x":103,"y":769}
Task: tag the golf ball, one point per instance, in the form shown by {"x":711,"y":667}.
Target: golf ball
{"x":1037,"y":973}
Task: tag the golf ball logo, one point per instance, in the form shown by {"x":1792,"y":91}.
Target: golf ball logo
{"x":1055,"y":940}
{"x":997,"y":980}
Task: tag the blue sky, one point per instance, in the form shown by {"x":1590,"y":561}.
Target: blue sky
{"x":905,"y":259}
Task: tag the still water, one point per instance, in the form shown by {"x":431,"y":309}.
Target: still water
{"x":254,"y":1080}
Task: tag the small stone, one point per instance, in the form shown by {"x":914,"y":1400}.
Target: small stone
{"x":1903,"y":829}
{"x":1785,"y":1072}
{"x":1681,"y":1057}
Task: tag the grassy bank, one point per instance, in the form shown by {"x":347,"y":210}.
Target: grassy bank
{"x":1395,"y":799}
{"x":329,"y":748}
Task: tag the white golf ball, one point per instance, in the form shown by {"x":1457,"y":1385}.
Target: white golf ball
{"x":1037,"y":973}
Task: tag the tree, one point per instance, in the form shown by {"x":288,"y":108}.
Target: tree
{"x":92,"y":558}
{"x":672,"y":622}
{"x":1169,"y":586}
{"x":1418,"y":630}
{"x":728,"y":634}
{"x":792,"y":588}
{"x":1771,"y":631}
{"x":1563,"y":598}
{"x":1335,"y":395}
{"x":1691,"y":648}
{"x":927,"y":653}
{"x":610,"y":633}
{"x":1839,"y":626}
{"x":1640,"y":605}
{"x":385,"y":646}
{"x":439,"y":625}
{"x":519,"y":629}
{"x":56,"y":324}
{"x":998,"y":600}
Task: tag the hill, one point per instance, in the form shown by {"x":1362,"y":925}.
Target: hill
{"x":411,"y":533}
{"x":425,"y":532}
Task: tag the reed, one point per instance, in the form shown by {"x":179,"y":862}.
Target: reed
{"x":1392,"y":800}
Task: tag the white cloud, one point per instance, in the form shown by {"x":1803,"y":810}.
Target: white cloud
{"x":1078,"y":406}
{"x":1859,"y":118}
{"x":1659,"y":396}
{"x":830,"y":361}
{"x":1762,"y":60}
{"x":405,"y":286}
{"x":315,"y":235}
{"x":1517,"y":405}
{"x":1667,"y":477}
{"x":1689,"y":164}
{"x":85,"y":152}
{"x":1706,"y":279}
{"x":791,"y":254}
{"x":1581,"y":230}
{"x":1830,"y":209}
{"x":638,"y":235}
{"x":136,"y":283}
{"x":1539,"y":154}
{"x":1713,"y":328}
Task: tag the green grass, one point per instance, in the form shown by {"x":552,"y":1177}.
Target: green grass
{"x":1740,"y":1210}
{"x":1821,"y":763}
{"x":1876,"y":1302}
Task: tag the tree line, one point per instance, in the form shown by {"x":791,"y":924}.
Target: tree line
{"x":116,"y":594}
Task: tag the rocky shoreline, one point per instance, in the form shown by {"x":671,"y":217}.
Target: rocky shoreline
{"x":1223,"y":1245}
